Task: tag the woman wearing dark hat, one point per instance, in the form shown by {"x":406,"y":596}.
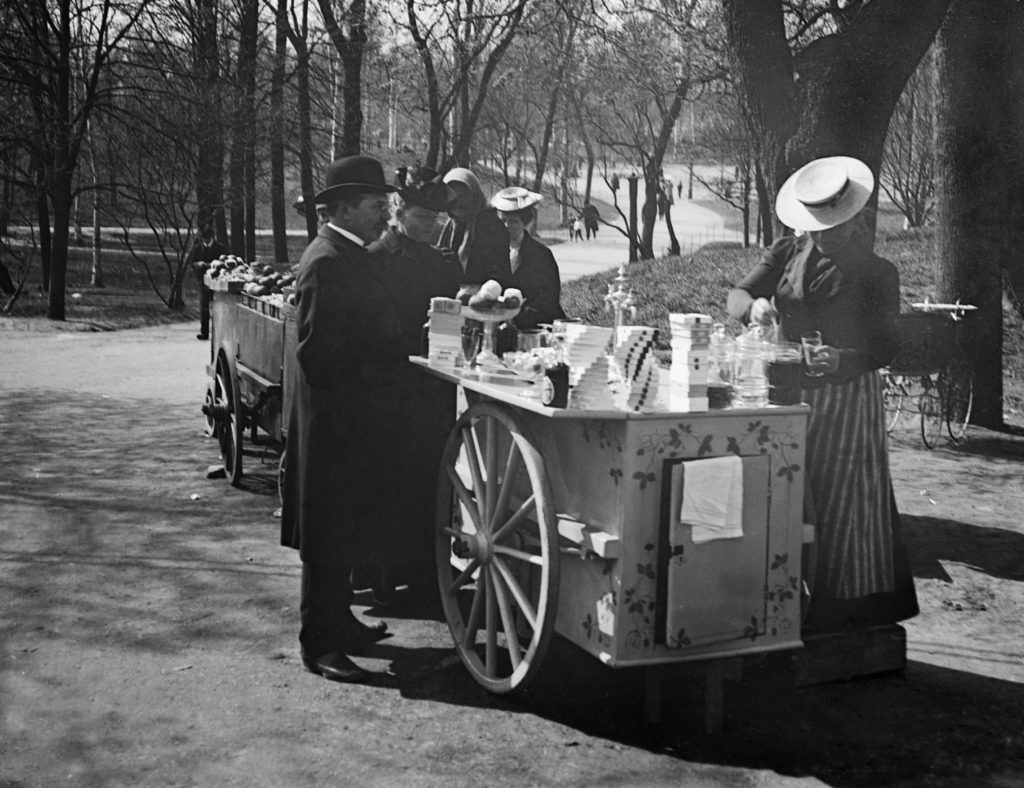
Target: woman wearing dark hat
{"x":474,"y":233}
{"x":534,"y":270}
{"x":829,"y":280}
{"x":414,"y":271}
{"x":344,"y":382}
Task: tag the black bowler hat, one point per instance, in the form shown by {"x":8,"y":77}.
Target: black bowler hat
{"x":353,"y":175}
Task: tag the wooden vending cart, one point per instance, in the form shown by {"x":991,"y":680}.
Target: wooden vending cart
{"x":249,"y":336}
{"x":568,"y":521}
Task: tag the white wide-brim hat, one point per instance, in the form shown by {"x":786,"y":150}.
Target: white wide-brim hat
{"x":824,"y":193}
{"x":515,"y":198}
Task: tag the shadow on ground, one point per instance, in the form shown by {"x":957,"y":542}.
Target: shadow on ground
{"x":120,"y":560}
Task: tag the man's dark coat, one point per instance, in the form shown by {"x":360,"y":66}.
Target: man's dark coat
{"x":348,"y":375}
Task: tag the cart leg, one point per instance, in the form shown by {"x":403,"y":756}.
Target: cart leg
{"x":653,"y":676}
{"x":715,"y":672}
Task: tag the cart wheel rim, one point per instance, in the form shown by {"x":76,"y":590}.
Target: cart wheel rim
{"x":959,"y":399}
{"x":893,"y":392}
{"x":229,"y":430}
{"x":209,"y":400}
{"x":496,"y":548}
{"x":931,"y":404}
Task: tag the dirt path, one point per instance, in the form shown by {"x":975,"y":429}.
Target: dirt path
{"x":149,"y":621}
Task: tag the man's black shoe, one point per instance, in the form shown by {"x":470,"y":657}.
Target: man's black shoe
{"x":202,"y":336}
{"x":335,"y":666}
{"x":362,"y":636}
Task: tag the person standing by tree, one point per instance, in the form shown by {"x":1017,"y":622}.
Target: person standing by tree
{"x":830,"y":281}
{"x":203,"y":253}
{"x":346,"y":375}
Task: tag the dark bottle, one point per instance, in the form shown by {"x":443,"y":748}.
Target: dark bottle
{"x":425,"y":340}
{"x":555,"y":391}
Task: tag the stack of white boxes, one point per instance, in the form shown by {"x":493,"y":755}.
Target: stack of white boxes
{"x":688,"y":378}
{"x":636,"y":366}
{"x":444,"y":333}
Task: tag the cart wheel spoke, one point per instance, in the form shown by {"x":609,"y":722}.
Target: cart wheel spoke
{"x":525,"y":607}
{"x":230,"y":420}
{"x":473,"y":624}
{"x":465,"y":497}
{"x":502,"y":623}
{"x":491,"y":627}
{"x":512,"y":463}
{"x":508,"y":624}
{"x":464,"y":577}
{"x":526,"y":509}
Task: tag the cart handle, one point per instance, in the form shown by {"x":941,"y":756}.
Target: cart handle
{"x":956,"y":310}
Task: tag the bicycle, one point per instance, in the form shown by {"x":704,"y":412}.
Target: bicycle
{"x":932,"y":369}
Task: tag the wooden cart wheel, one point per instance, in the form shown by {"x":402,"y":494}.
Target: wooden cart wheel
{"x":932,"y":406}
{"x":496,"y":548}
{"x":959,"y":387}
{"x":894,"y":390}
{"x":228,"y":403}
{"x":210,"y":423}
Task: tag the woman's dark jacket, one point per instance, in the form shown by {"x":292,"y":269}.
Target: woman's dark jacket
{"x":488,"y":248}
{"x":537,"y":276}
{"x":852,"y":300}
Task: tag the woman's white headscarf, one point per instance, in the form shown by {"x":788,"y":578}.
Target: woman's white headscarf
{"x":477,"y":202}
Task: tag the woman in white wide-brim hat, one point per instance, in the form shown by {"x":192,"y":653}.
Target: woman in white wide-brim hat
{"x":534,"y":270}
{"x":829,"y":280}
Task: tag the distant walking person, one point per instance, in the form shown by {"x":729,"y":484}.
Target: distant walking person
{"x":591,"y":219}
{"x":203,"y":253}
{"x":576,"y":229}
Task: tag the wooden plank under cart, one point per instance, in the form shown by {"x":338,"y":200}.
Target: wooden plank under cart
{"x":632,"y":588}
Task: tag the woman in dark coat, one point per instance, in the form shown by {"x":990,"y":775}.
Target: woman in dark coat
{"x":534,"y":270}
{"x":414,"y":271}
{"x":474,"y":233}
{"x":829,"y":280}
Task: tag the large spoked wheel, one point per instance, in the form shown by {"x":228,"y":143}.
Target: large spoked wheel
{"x":932,"y":410}
{"x":228,"y":415}
{"x":894,"y":390}
{"x":959,"y":387}
{"x":209,"y":422}
{"x":496,"y":548}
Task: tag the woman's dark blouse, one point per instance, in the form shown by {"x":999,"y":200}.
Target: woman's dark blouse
{"x":853,"y":301}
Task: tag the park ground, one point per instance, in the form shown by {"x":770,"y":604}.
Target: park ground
{"x":148,"y":628}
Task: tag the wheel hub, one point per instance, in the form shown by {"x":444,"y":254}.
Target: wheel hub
{"x":473,"y":546}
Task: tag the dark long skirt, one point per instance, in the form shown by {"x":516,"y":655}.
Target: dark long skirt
{"x":862,"y":575}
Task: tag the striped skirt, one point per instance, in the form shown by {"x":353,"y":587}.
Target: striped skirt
{"x":850,"y":490}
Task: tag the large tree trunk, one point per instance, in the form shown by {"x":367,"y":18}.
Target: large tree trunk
{"x":61,"y":197}
{"x":835,"y":97}
{"x":210,"y":128}
{"x":978,"y":144}
{"x":249,"y":45}
{"x":278,"y":217}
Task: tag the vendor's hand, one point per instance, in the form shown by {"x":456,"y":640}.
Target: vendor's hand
{"x":826,"y":360}
{"x":763,"y":312}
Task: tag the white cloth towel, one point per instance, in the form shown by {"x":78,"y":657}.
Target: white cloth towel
{"x":713,"y":498}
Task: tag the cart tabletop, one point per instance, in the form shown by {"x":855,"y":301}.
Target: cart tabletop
{"x":503,"y":386}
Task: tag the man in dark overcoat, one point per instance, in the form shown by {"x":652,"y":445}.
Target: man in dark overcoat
{"x":347,"y":377}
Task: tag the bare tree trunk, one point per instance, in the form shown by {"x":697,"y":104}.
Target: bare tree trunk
{"x":249,"y":44}
{"x":278,"y":217}
{"x":978,"y":140}
{"x":836,"y":95}
{"x":350,"y":44}
{"x":45,"y":239}
{"x":210,"y":128}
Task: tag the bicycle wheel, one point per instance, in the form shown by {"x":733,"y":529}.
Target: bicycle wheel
{"x":894,"y":390}
{"x":932,"y":405}
{"x":959,"y":386}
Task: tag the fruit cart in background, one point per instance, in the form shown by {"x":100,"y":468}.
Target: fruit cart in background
{"x":251,"y":327}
